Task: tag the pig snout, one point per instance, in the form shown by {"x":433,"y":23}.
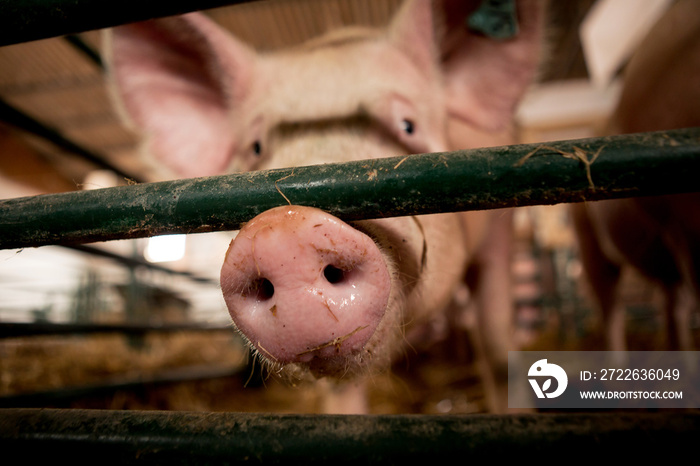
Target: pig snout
{"x":303,"y":286}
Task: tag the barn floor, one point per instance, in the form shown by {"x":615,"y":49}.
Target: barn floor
{"x":416,"y":384}
{"x":440,"y":379}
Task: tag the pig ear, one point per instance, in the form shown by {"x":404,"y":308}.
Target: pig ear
{"x":412,"y":31}
{"x":177,"y":79}
{"x":484,"y":78}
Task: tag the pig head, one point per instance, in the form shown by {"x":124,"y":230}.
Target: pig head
{"x":659,"y":236}
{"x":310,"y":293}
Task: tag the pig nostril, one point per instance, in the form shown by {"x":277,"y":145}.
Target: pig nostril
{"x":263,"y":289}
{"x":333,"y":274}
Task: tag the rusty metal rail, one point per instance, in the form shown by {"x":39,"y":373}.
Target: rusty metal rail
{"x":509,"y":176}
{"x":148,"y":437}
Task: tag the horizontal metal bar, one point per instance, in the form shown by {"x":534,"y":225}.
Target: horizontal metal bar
{"x":24,"y":329}
{"x":133,"y":262}
{"x":26,"y":20}
{"x":509,"y":176}
{"x":151,"y":437}
{"x":109,"y":385}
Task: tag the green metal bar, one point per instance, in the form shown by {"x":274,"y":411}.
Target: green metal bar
{"x":108,"y":386}
{"x":152,"y":437}
{"x":27,"y":20}
{"x":509,"y":176}
{"x":23,"y":329}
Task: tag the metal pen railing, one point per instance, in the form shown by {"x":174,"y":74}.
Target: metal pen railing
{"x":509,"y":176}
{"x":149,"y":437}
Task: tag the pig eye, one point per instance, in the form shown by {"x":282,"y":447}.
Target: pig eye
{"x":408,"y":126}
{"x":257,"y":148}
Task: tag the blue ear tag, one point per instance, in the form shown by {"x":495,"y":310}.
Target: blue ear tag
{"x":496,"y":19}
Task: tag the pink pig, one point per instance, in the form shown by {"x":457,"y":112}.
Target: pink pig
{"x":311,"y":293}
{"x":659,"y":235}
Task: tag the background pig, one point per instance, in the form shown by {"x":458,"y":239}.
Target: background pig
{"x":657,"y":235}
{"x":312,"y":294}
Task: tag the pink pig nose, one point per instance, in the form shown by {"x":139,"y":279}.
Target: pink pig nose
{"x":300,"y":284}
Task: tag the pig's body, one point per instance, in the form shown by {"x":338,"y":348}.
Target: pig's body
{"x":659,"y":236}
{"x":309,"y":292}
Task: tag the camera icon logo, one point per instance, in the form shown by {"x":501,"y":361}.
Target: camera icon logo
{"x":542,"y":369}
